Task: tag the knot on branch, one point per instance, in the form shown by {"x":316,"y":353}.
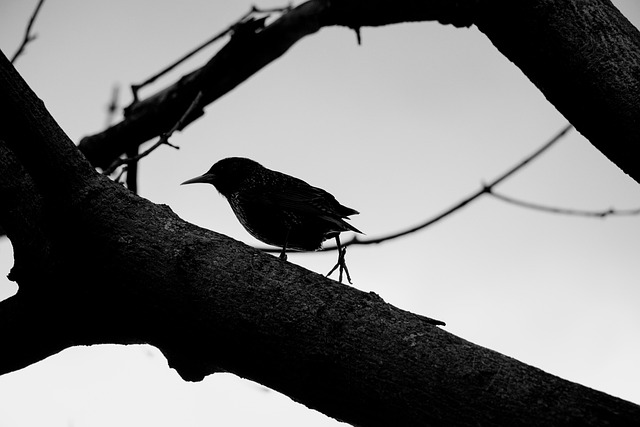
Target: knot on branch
{"x":248,"y":27}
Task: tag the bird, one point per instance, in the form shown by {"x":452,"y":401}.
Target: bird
{"x":280,"y":210}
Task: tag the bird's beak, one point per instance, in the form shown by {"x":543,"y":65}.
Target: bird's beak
{"x":205,"y":179}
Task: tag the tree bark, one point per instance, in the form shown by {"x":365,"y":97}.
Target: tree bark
{"x":245,"y":54}
{"x":583,"y":55}
{"x":98,"y":264}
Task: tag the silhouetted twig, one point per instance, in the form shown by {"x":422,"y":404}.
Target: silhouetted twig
{"x":486,"y":188}
{"x":136,"y":87}
{"x":112,"y":106}
{"x":564,"y":211}
{"x":163,"y":140}
{"x":231,"y":29}
{"x":28,"y":36}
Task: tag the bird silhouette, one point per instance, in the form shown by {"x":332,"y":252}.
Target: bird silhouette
{"x":279,"y":209}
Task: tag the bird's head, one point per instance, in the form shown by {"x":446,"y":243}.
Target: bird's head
{"x":227,"y":175}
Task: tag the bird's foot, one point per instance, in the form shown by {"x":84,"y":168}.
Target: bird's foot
{"x":283,"y":253}
{"x":341,"y":265}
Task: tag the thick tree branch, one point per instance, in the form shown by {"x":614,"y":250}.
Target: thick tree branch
{"x":245,"y":21}
{"x":248,"y":52}
{"x":21,"y":212}
{"x":123,"y":270}
{"x":582,"y":54}
{"x":57,"y":167}
{"x":31,"y":330}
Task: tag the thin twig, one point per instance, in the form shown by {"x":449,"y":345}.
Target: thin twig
{"x":180,"y":123}
{"x":128,"y":160}
{"x":163,"y":140}
{"x":486,"y":188}
{"x":28,"y":37}
{"x":135,"y":88}
{"x":565,"y":211}
{"x":527,"y":160}
{"x":120,"y":175}
{"x":112,"y":106}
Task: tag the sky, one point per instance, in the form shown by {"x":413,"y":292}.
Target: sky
{"x":399,"y":128}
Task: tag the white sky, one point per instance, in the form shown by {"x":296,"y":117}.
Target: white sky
{"x":399,"y":129}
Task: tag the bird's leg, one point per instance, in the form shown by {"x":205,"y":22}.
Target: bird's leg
{"x":341,"y":264}
{"x":283,"y":254}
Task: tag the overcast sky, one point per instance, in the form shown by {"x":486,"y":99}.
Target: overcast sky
{"x":399,"y":128}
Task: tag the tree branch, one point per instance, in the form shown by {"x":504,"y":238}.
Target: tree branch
{"x":212,"y":304}
{"x":552,"y":42}
{"x":21,"y":213}
{"x":485,"y":189}
{"x":124,"y":270}
{"x":58,"y":165}
{"x":464,"y":202}
{"x":28,"y":36}
{"x":195,"y":108}
{"x":245,"y":19}
{"x":564,"y":211}
{"x":246,"y":53}
{"x":584,"y":56}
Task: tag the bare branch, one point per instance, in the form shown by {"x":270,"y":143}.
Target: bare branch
{"x":252,"y":48}
{"x":337,"y":349}
{"x":112,"y":106}
{"x":28,"y":36}
{"x":564,"y":211}
{"x":164,"y":138}
{"x":129,"y":160}
{"x":485,"y":189}
{"x":135,"y":88}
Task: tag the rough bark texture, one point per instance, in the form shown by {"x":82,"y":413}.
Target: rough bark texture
{"x":584,"y":56}
{"x":116,"y":268}
{"x":97,"y":264}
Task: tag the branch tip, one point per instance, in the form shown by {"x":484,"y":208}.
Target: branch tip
{"x":358,"y":35}
{"x":28,"y":36}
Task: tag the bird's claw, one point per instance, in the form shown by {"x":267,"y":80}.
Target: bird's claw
{"x":283,"y":253}
{"x":342,"y":264}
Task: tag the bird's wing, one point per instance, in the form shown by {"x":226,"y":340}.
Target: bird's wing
{"x":296,"y":197}
{"x":303,"y":200}
{"x":309,"y":201}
